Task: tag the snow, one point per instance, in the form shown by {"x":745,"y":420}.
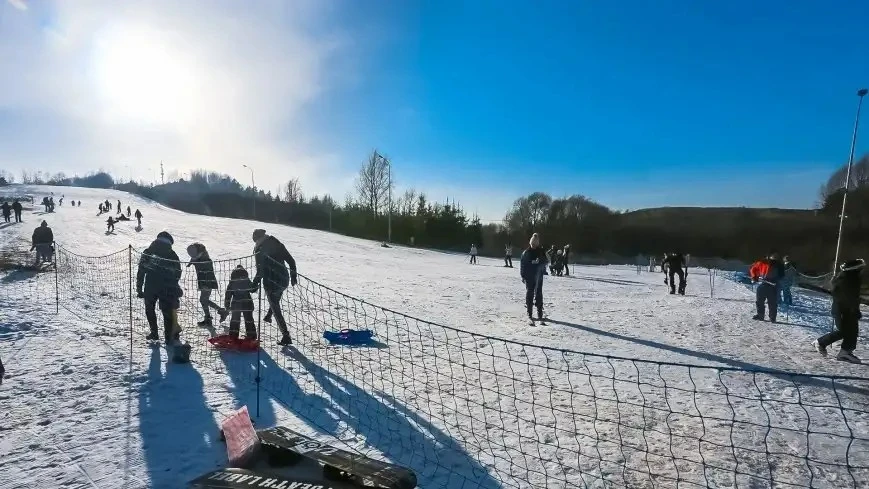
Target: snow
{"x":460,"y":408}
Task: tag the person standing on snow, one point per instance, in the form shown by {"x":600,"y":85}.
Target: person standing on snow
{"x":138,"y":218}
{"x":790,"y":277}
{"x":128,"y":211}
{"x":206,"y":282}
{"x":157,"y":283}
{"x":42,"y":241}
{"x":532,"y":266}
{"x":271,"y":255}
{"x":768,"y":272}
{"x":508,"y":255}
{"x":239,"y":302}
{"x":17,"y":208}
{"x":846,"y":312}
{"x":473,"y":254}
{"x":676,"y":266}
{"x":7,"y":211}
{"x":120,"y":209}
{"x":566,"y":259}
{"x":110,"y":223}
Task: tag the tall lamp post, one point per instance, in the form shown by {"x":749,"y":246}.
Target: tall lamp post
{"x":860,"y":94}
{"x":253,"y":184}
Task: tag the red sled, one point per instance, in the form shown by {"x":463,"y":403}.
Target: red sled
{"x":226,"y":342}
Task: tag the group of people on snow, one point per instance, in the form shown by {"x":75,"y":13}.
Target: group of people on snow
{"x":9,"y":209}
{"x":159,"y":274}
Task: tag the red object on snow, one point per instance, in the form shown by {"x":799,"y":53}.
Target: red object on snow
{"x":242,"y":442}
{"x":226,"y":342}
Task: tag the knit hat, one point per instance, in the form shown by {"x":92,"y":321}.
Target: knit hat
{"x":855,"y":264}
{"x":166,"y":236}
{"x":258,"y":233}
{"x":44,"y":224}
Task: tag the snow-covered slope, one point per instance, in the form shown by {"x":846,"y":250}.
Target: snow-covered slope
{"x":80,"y":416}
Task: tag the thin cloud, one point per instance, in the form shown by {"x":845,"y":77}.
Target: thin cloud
{"x":19,"y":4}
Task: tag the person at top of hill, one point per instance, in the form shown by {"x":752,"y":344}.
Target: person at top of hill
{"x":42,"y":241}
{"x":206,"y":282}
{"x":790,"y":277}
{"x":157,"y":282}
{"x":846,"y":311}
{"x":676,"y":265}
{"x":239,"y":302}
{"x":17,"y":208}
{"x":473,"y":254}
{"x":532,"y":265}
{"x":508,"y":255}
{"x":7,"y":211}
{"x":767,"y":273}
{"x":271,"y":255}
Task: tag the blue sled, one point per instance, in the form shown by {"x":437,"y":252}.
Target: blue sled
{"x":349,"y":337}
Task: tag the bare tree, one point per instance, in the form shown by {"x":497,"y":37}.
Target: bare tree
{"x":407,"y":202}
{"x":372,"y":184}
{"x":293,"y":191}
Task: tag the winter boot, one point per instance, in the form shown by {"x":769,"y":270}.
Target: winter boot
{"x":152,"y":336}
{"x":757,"y":317}
{"x":268,"y":316}
{"x":285,"y":340}
{"x":540,"y":313}
{"x":847,"y":356}
{"x":819,"y":348}
{"x":530,"y":315}
{"x":223,"y":313}
{"x":251,"y":336}
{"x":205,"y":323}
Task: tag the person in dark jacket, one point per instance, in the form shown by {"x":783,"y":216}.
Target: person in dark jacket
{"x":110,"y":225}
{"x":238,"y":302}
{"x":157,"y":282}
{"x":532,"y":266}
{"x":128,"y":211}
{"x":675,"y":263}
{"x":206,"y":281}
{"x":566,"y":259}
{"x":767,"y":273}
{"x":846,"y":312}
{"x":43,"y":242}
{"x":271,"y":255}
{"x":7,"y":211}
{"x":508,"y":255}
{"x":120,"y":209}
{"x":16,"y":208}
{"x":138,"y":218}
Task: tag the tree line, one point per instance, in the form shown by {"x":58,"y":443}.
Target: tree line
{"x":594,"y":231}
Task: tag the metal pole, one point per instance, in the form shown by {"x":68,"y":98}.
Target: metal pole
{"x":259,"y":337}
{"x":130,"y":277}
{"x":860,"y":93}
{"x":389,"y":168}
{"x":56,"y":287}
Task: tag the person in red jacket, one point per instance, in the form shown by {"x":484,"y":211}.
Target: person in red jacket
{"x":767,"y":273}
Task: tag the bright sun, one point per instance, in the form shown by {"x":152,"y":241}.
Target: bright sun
{"x":142,"y":79}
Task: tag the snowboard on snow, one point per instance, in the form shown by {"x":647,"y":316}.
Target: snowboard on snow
{"x":337,"y":464}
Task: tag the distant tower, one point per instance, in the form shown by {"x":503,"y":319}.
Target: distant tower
{"x":162,"y":175}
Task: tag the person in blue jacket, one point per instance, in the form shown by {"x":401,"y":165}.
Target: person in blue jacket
{"x":790,"y":277}
{"x":532,"y":265}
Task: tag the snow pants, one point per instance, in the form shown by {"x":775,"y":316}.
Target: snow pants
{"x":508,"y":261}
{"x":534,"y":295}
{"x":17,"y":216}
{"x":168,"y":306}
{"x":473,"y":259}
{"x":206,"y":303}
{"x":43,"y":253}
{"x":235,"y":323}
{"x":767,"y":293}
{"x":6,"y":217}
{"x":681,"y":273}
{"x":274,"y":298}
{"x":847,"y":327}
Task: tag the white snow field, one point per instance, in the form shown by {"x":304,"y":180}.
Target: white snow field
{"x":624,"y":386}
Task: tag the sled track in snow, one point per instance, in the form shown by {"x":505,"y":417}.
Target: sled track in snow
{"x":466,"y":410}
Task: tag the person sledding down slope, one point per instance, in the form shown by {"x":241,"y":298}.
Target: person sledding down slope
{"x":206,"y":281}
{"x":768,"y":272}
{"x":157,"y":282}
{"x":43,"y":242}
{"x":846,"y":312}
{"x":532,"y":266}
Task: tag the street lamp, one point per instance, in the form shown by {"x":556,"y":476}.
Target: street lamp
{"x":860,"y":94}
{"x":253,"y":184}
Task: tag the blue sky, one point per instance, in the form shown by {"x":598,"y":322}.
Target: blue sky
{"x":634,"y":103}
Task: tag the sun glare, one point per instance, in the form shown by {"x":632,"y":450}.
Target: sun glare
{"x":141,"y":78}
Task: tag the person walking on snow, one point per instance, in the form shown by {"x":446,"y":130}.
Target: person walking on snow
{"x":43,"y":242}
{"x":846,"y":312}
{"x":238,"y":302}
{"x":473,"y":254}
{"x":768,"y":272}
{"x":271,"y":255}
{"x":17,"y":208}
{"x":566,"y":259}
{"x":7,"y":211}
{"x":128,"y":211}
{"x":138,"y":218}
{"x":111,"y":225}
{"x":790,"y":277}
{"x":676,"y":265}
{"x":508,"y":255}
{"x":120,"y":210}
{"x":157,"y":283}
{"x":532,"y":265}
{"x":206,"y":282}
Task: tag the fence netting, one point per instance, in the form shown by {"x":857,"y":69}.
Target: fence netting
{"x":467,"y":410}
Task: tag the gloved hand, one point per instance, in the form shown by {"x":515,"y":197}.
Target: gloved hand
{"x":140,"y":294}
{"x":293,"y":278}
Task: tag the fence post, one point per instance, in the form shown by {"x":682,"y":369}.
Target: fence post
{"x":56,"y":286}
{"x":130,"y":285}
{"x":259,"y":337}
